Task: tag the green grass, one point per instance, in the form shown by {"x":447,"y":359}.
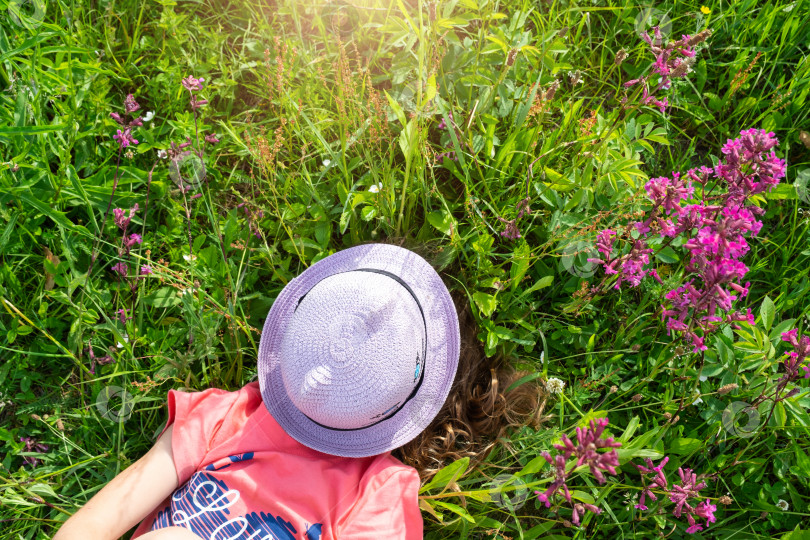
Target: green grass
{"x":316,"y":103}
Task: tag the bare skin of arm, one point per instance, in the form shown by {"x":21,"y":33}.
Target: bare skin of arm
{"x":128,"y":499}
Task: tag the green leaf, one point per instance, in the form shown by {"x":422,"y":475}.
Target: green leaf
{"x":802,"y":460}
{"x":684,"y":445}
{"x":442,"y":220}
{"x":397,"y":109}
{"x":455,"y":509}
{"x":782,"y":192}
{"x":533,"y":466}
{"x":430,"y":90}
{"x":796,"y":534}
{"x":537,"y":530}
{"x":30,"y":130}
{"x":766,"y":313}
{"x":587,"y":498}
{"x":520,"y":264}
{"x":541,"y":283}
{"x":629,"y":453}
{"x":667,"y":255}
{"x":295,"y":210}
{"x":486,"y":303}
{"x":368,"y":213}
{"x":57,"y":216}
{"x":43,"y":489}
{"x":162,"y":298}
{"x":447,"y":475}
{"x":630,"y":429}
{"x":781,"y":328}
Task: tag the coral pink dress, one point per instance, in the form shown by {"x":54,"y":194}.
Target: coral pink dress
{"x":242,"y":477}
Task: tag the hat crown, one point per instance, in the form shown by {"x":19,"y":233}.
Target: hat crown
{"x":353,"y":351}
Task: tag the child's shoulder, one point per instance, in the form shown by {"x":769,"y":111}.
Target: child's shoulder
{"x":241,"y":413}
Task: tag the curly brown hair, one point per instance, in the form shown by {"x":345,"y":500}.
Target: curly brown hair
{"x":478,"y":411}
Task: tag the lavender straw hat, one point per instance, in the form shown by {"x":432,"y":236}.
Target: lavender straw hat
{"x":358,"y":353}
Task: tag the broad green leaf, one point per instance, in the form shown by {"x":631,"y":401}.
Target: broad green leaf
{"x":486,"y":303}
{"x":766,"y":313}
{"x":447,"y":475}
{"x":629,"y":453}
{"x":455,"y":509}
{"x":397,"y":109}
{"x":162,"y":298}
{"x":30,"y":130}
{"x":802,"y":460}
{"x":533,"y":466}
{"x":630,"y":429}
{"x":684,"y":445}
{"x":541,"y":283}
{"x":442,"y":220}
{"x":520,"y":264}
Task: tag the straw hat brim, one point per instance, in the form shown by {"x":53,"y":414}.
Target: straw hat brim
{"x":443,"y":343}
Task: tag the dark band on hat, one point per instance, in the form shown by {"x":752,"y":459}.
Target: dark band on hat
{"x":424,"y":348}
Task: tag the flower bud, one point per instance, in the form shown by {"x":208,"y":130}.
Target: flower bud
{"x":699,"y":38}
{"x":804,"y":137}
{"x":510,"y":58}
{"x":723,"y":390}
{"x":551,"y":90}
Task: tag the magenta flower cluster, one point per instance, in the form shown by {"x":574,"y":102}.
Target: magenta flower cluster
{"x":128,"y":241}
{"x":253,"y":216}
{"x":715,"y":229}
{"x":194,"y":85}
{"x":671,"y":62}
{"x":589,"y":440}
{"x":796,"y":358}
{"x":177,"y":153}
{"x":680,"y":494}
{"x":32,"y":446}
{"x":511,"y":230}
{"x":97,"y":360}
{"x":124,"y":136}
{"x":449,"y":154}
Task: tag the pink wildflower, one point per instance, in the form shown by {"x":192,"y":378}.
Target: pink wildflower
{"x":121,"y":269}
{"x":191,"y":84}
{"x":125,"y":138}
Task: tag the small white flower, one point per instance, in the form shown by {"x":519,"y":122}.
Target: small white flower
{"x":162,"y":154}
{"x":783,"y":505}
{"x":697,"y":400}
{"x":120,"y":345}
{"x":375,"y":188}
{"x":149,"y":116}
{"x":190,"y":257}
{"x":554,"y":386}
{"x":702,"y":378}
{"x":327,"y":162}
{"x":543,"y":357}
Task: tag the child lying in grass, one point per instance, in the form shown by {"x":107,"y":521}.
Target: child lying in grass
{"x":364,"y":353}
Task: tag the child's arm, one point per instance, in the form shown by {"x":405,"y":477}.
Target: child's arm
{"x":128,"y":498}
